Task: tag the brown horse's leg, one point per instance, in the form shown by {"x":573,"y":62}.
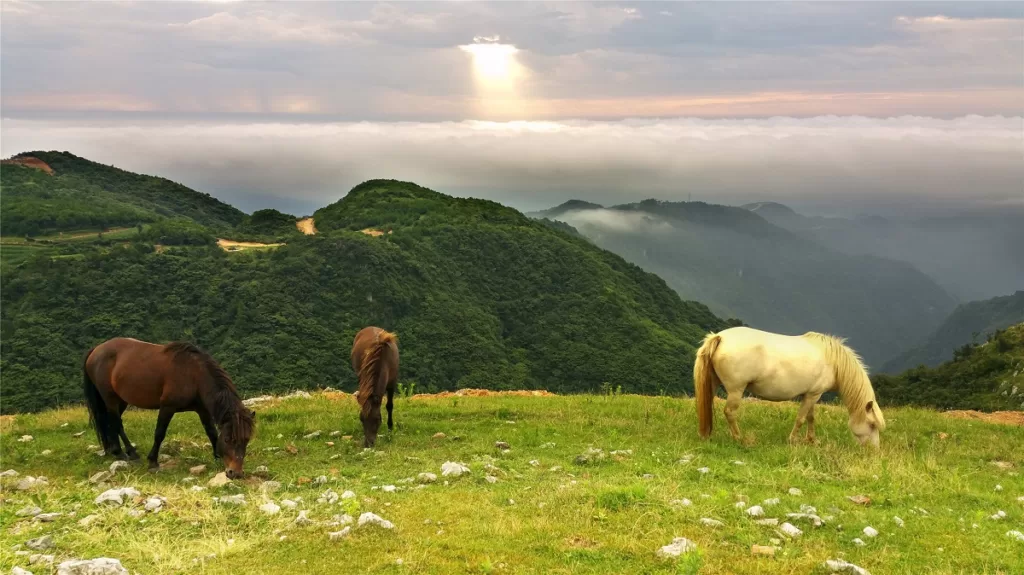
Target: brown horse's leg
{"x":128,"y":447}
{"x":162,"y":421}
{"x":370,"y":416}
{"x":211,"y":429}
{"x":391,"y":404}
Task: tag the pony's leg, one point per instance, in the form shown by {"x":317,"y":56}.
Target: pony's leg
{"x":810,"y":426}
{"x":162,"y":421}
{"x":211,"y":429}
{"x":128,"y":447}
{"x":390,"y":405}
{"x":732,"y":405}
{"x":805,"y":409}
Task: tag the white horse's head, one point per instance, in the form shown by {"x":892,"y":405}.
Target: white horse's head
{"x":867,"y":423}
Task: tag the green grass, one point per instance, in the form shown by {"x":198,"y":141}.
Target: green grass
{"x":555,"y":517}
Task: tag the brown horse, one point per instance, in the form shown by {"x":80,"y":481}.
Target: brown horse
{"x":375,"y":360}
{"x":172,"y":378}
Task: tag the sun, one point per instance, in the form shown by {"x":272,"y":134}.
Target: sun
{"x":492,"y":63}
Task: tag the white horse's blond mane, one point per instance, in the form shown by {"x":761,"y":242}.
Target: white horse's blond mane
{"x":851,"y":376}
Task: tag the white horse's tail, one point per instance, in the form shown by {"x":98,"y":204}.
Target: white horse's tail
{"x":705,"y":380}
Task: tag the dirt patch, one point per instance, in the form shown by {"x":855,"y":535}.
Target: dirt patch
{"x":484,"y":393}
{"x":230,"y":246}
{"x":1000,"y":417}
{"x":6,"y":422}
{"x":373,"y":232}
{"x":306,"y":226}
{"x":30,"y":162}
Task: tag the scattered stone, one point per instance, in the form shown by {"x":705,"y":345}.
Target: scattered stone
{"x":756,"y":511}
{"x":136,"y":513}
{"x":334,"y":433}
{"x":591,"y":455}
{"x":679,"y":546}
{"x":998,"y":515}
{"x":79,"y":434}
{"x":648,"y":476}
{"x":790,"y":530}
{"x":116,"y":496}
{"x":704,"y":470}
{"x":534,"y":462}
{"x":154,"y":504}
{"x":439,"y":435}
{"x":40,"y":543}
{"x":680,"y":502}
{"x":770,"y":522}
{"x":198,"y":470}
{"x":100,"y":477}
{"x":860,"y":499}
{"x":708,"y":522}
{"x":329,"y":497}
{"x":804,"y":508}
{"x":219,"y":480}
{"x":490,"y":479}
{"x":502,"y":445}
{"x":88,"y":520}
{"x":841,"y":565}
{"x":454,"y":469}
{"x":100,"y":566}
{"x":737,"y":462}
{"x":289,"y":504}
{"x":198,"y":488}
{"x":48,"y":517}
{"x":999,"y":487}
{"x":40,"y":558}
{"x":30,"y":511}
{"x":335,"y":535}
{"x":321,"y":480}
{"x":164,"y":458}
{"x":859,"y":542}
{"x":740,"y":504}
{"x":303,"y":519}
{"x":763,"y":550}
{"x":555,"y":468}
{"x":770,"y":502}
{"x":813,"y":518}
{"x":348,"y":495}
{"x":622,"y":453}
{"x":270,"y":486}
{"x":1015,"y":535}
{"x":270,"y":508}
{"x":372,"y":519}
{"x":19,"y":571}
{"x":548,"y":445}
{"x":46,"y":452}
{"x":1003,"y":464}
{"x":119,"y":464}
{"x":9,"y":473}
{"x":388,"y":488}
{"x":30,"y":482}
{"x":313,"y":435}
{"x":237,"y":499}
{"x":345,"y":519}
{"x":898,"y":521}
{"x":25,"y":439}
{"x":795,"y":492}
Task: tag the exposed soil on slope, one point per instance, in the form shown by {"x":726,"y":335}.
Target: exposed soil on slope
{"x":30,"y":162}
{"x":306,"y":226}
{"x":1001,"y":417}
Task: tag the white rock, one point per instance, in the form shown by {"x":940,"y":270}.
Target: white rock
{"x":19,"y":571}
{"x":198,"y":488}
{"x":219,"y":480}
{"x":30,"y":511}
{"x":270,"y":508}
{"x":859,"y":542}
{"x":771,"y":522}
{"x":289,"y":504}
{"x":840,"y":565}
{"x":770,"y":502}
{"x":88,"y":520}
{"x":48,"y":517}
{"x":490,"y":479}
{"x":870,"y":531}
{"x":270,"y":486}
{"x":740,"y":505}
{"x":154,"y":504}
{"x":999,"y":487}
{"x":321,"y":480}
{"x":388,"y":488}
{"x":348,"y":495}
{"x":334,"y":433}
{"x":46,"y":452}
{"x":548,"y":445}
{"x":344,"y":519}
{"x":237,"y":499}
{"x":9,"y":473}
{"x":116,"y":496}
{"x":703,"y":470}
{"x":795,"y":492}
{"x":708,"y":522}
{"x":807,"y":509}
{"x":790,"y":530}
{"x":40,"y":543}
{"x":30,"y":482}
{"x":40,"y":558}
{"x":452,"y":468}
{"x":313,"y":435}
{"x":115,"y":466}
{"x":100,"y":477}
{"x":898,"y":521}
{"x":25,"y":439}
{"x":335,"y":535}
{"x":198,"y":470}
{"x":100,"y":566}
{"x":79,"y":434}
{"x":1015,"y":535}
{"x":302,"y":519}
{"x":534,"y":462}
{"x":680,"y":503}
{"x":426,"y":477}
{"x":737,"y":462}
{"x":998,"y":515}
{"x":678,"y":546}
{"x":371,"y":519}
{"x":814,"y":519}
{"x":329,"y":497}
{"x":756,"y":511}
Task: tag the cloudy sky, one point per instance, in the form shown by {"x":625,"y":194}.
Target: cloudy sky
{"x":825,"y":105}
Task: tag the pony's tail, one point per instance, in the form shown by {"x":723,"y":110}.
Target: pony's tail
{"x":99,"y":418}
{"x":372,"y":378}
{"x":704,"y":382}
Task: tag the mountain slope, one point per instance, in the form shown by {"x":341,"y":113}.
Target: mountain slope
{"x":480,"y":296}
{"x":743,"y":266}
{"x":81,"y":194}
{"x":968,"y":321}
{"x":986,"y":377}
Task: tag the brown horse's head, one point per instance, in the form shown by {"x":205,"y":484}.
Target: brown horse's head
{"x":235,"y":432}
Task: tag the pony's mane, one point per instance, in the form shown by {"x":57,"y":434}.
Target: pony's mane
{"x":227,"y":409}
{"x":850,"y":375}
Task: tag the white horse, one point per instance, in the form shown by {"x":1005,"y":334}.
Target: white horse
{"x":780,"y":367}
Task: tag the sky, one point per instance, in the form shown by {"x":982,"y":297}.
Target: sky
{"x":830,"y":106}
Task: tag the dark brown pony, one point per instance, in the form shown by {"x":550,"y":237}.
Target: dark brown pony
{"x":375,"y":360}
{"x":172,"y":378}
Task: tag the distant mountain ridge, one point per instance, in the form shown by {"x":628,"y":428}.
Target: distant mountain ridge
{"x":743,"y":266}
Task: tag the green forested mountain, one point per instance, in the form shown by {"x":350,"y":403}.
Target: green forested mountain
{"x":741,"y":265}
{"x":479,"y":295}
{"x":989,"y":377}
{"x":969,"y":323}
{"x":85,"y":195}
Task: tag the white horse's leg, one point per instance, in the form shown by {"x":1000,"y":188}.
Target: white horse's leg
{"x":732,"y":405}
{"x":806,"y":413}
{"x":810,"y":425}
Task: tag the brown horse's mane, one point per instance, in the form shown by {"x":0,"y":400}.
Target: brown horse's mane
{"x":236,"y":421}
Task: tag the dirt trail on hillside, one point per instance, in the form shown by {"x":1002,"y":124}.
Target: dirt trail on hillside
{"x":484,"y":393}
{"x":30,"y":162}
{"x":226,"y":245}
{"x":1001,"y":417}
{"x":373,"y":232}
{"x":306,"y":226}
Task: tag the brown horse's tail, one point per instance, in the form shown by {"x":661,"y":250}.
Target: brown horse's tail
{"x":99,"y":417}
{"x":372,"y":377}
{"x":705,"y":380}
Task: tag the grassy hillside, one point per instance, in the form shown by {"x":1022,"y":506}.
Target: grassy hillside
{"x":967,"y":323}
{"x":742,"y":266}
{"x":547,"y":511}
{"x":85,"y":195}
{"x":479,"y":295}
{"x":989,"y":376}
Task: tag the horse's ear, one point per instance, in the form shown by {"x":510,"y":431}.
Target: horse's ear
{"x":870,"y":405}
{"x":252,"y":413}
